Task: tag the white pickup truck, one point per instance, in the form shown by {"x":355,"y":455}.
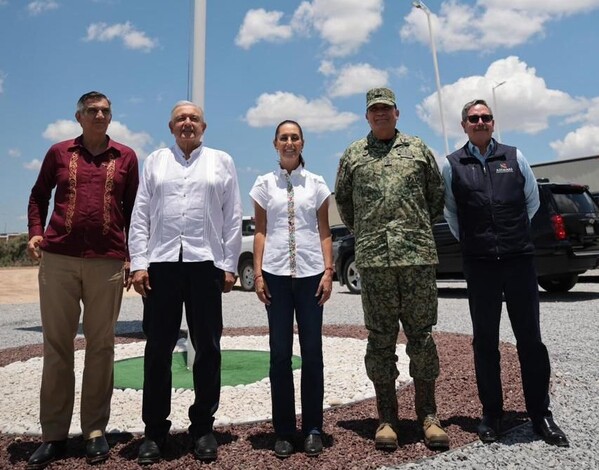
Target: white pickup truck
{"x":245,"y":266}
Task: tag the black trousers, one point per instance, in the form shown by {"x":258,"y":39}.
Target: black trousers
{"x":198,"y":286}
{"x":516,"y":280}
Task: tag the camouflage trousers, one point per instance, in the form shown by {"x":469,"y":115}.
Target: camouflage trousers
{"x":406,"y":294}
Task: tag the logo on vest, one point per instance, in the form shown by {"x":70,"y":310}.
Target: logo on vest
{"x":504,"y":168}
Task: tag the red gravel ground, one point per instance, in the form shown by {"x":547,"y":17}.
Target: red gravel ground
{"x":348,"y":430}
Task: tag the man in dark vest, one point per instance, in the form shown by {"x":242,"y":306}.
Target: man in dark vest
{"x":490,"y":197}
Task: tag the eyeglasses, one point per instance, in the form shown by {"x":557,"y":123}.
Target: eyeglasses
{"x":93,"y":111}
{"x":486,"y":118}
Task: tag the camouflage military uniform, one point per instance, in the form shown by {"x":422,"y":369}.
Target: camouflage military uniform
{"x":388,"y":194}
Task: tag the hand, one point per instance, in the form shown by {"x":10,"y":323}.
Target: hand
{"x":229,"y":281}
{"x":262,"y":290}
{"x":33,"y":247}
{"x":324,"y":288}
{"x":127,"y":276}
{"x":141,"y":282}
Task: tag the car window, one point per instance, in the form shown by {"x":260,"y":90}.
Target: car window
{"x":339,"y":231}
{"x":248,"y":227}
{"x":574,"y":202}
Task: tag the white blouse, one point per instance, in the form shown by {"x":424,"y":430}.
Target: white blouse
{"x":309,"y":193}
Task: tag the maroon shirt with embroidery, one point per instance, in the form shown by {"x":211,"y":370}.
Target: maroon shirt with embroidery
{"x":92,"y":203}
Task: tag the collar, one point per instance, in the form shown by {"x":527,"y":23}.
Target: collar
{"x":111,"y":146}
{"x":179,"y":154}
{"x":473,"y":149}
{"x":299,"y":171}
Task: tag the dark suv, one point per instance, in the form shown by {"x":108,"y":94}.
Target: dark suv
{"x":565,"y":232}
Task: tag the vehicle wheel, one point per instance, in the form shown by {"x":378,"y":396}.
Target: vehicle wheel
{"x":559,"y":283}
{"x":246,"y":274}
{"x":352,"y":276}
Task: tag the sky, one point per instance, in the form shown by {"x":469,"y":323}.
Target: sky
{"x":310,"y":61}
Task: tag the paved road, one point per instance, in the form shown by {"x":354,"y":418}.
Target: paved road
{"x":570,"y":327}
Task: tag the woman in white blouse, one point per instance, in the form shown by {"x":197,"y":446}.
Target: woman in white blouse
{"x":293,"y":269}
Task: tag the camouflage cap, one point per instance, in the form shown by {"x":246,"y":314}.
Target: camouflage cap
{"x":380,"y":95}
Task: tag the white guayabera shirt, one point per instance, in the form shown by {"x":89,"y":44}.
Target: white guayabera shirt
{"x":189,"y":206}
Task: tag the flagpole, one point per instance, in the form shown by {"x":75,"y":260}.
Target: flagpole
{"x":198,"y":86}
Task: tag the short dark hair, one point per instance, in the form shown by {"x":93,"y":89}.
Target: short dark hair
{"x":472,"y":103}
{"x":91,"y":95}
{"x":289,"y":121}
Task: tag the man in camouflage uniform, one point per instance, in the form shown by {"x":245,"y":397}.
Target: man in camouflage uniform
{"x":388,"y":192}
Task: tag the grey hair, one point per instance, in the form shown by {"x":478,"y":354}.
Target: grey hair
{"x":91,"y":95}
{"x":178,"y":104}
{"x":472,"y":103}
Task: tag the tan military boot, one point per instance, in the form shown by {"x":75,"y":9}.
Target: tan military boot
{"x":434,"y":435}
{"x":385,"y":437}
{"x":386,"y":405}
{"x":426,"y":410}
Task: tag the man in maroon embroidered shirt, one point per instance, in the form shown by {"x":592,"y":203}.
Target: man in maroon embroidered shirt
{"x":82,"y":254}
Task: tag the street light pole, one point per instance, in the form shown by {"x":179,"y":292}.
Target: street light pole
{"x":420,"y":5}
{"x":495,"y":109}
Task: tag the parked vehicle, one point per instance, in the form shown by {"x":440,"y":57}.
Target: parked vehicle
{"x":565,"y":232}
{"x":245,"y":267}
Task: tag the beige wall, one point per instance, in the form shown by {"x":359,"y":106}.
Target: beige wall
{"x":334,"y":218}
{"x":579,"y":170}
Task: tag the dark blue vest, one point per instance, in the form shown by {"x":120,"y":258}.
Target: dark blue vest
{"x":491,"y":204}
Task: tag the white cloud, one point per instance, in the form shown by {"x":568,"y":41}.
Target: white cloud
{"x":1,"y":82}
{"x":38,"y":7}
{"x":131,"y":37}
{"x":554,"y":7}
{"x":14,"y":153}
{"x":318,"y":115}
{"x":344,"y":25}
{"x":524,"y":103}
{"x":400,"y":71}
{"x":138,"y":141}
{"x":327,"y":68}
{"x":33,"y":165}
{"x":358,"y":78}
{"x":64,"y":129}
{"x":489,"y":24}
{"x":582,"y":142}
{"x":261,"y":25}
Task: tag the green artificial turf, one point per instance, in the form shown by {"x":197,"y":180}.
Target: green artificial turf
{"x":238,"y":367}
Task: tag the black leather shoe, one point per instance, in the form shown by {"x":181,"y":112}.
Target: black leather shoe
{"x":149,"y":451}
{"x":313,"y":445}
{"x":283,"y":447}
{"x":96,"y":449}
{"x":46,"y":453}
{"x":550,"y":432}
{"x":489,"y":429}
{"x":205,"y":447}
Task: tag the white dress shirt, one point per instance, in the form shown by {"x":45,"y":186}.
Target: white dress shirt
{"x":189,"y":206}
{"x":310,"y":192}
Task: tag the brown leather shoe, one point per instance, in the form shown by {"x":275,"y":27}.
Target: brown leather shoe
{"x":434,"y":435}
{"x":385,"y":437}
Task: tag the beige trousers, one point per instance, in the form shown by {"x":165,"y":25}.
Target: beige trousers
{"x":66,"y":284}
